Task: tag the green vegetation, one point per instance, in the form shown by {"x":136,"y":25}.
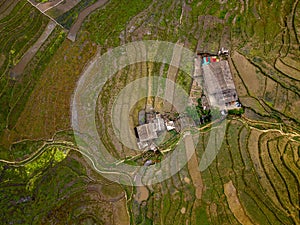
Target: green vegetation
{"x":193,"y":113}
{"x":12,"y":49}
{"x":185,"y":81}
{"x":113,"y":19}
{"x":68,"y":18}
{"x":236,"y":112}
{"x":43,"y":181}
{"x":200,"y":115}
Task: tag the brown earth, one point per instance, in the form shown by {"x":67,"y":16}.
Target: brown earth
{"x":19,"y":68}
{"x":235,"y":205}
{"x":254,"y":81}
{"x":193,"y":167}
{"x":83,"y":14}
{"x":60,"y":9}
{"x":287,"y":70}
{"x":48,"y":108}
{"x":47,"y":5}
{"x":7,"y":7}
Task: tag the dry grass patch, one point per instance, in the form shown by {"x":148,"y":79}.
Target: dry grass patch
{"x":270,"y":91}
{"x":193,"y":168}
{"x":254,"y":105}
{"x":281,"y":99}
{"x":291,"y":62}
{"x":253,"y":147}
{"x":271,"y":174}
{"x":253,"y":79}
{"x":235,"y":204}
{"x":240,"y":87}
{"x":120,"y":213}
{"x":48,"y":108}
{"x":2,"y":59}
{"x":293,"y":106}
{"x":287,"y":70}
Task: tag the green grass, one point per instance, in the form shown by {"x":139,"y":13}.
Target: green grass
{"x":68,"y":18}
{"x":16,"y":35}
{"x":14,"y":93}
{"x":111,"y":21}
{"x":21,"y":91}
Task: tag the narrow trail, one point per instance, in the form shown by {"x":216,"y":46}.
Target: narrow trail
{"x":35,"y":6}
{"x":72,"y":146}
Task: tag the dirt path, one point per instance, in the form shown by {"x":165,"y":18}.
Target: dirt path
{"x":142,"y":193}
{"x":48,"y":5}
{"x":235,"y":205}
{"x":61,"y":7}
{"x":19,"y":68}
{"x":76,"y":26}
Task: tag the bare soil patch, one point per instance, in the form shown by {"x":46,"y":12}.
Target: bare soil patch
{"x":76,"y":26}
{"x":47,"y":5}
{"x":142,"y":194}
{"x":254,"y":80}
{"x":60,"y":9}
{"x":7,"y":7}
{"x":287,"y":70}
{"x":253,"y":104}
{"x":19,"y":68}
{"x":235,"y":205}
{"x":2,"y":59}
{"x":193,"y":168}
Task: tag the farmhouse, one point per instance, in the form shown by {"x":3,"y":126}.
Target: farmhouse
{"x":218,"y":82}
{"x":151,"y":130}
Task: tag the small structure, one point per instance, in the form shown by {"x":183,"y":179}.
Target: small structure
{"x":153,"y":147}
{"x":223,"y":51}
{"x":170,"y":125}
{"x":148,"y":132}
{"x":219,"y":86}
{"x":142,"y":145}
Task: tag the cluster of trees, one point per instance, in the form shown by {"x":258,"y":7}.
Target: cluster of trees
{"x":200,"y":115}
{"x":236,"y":112}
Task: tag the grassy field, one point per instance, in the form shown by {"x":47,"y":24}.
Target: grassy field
{"x":255,"y":177}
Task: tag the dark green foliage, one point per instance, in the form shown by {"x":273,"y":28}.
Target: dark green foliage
{"x":192,"y":112}
{"x":106,"y":24}
{"x":236,"y":112}
{"x":68,"y":18}
{"x":201,"y":217}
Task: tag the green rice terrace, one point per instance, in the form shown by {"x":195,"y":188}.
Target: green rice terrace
{"x":47,"y":45}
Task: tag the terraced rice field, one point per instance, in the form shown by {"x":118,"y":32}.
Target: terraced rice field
{"x":247,"y":165}
{"x":255,"y":176}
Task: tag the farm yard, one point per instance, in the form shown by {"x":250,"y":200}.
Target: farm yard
{"x":47,"y":45}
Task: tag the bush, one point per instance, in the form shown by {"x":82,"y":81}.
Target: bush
{"x":236,"y":112}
